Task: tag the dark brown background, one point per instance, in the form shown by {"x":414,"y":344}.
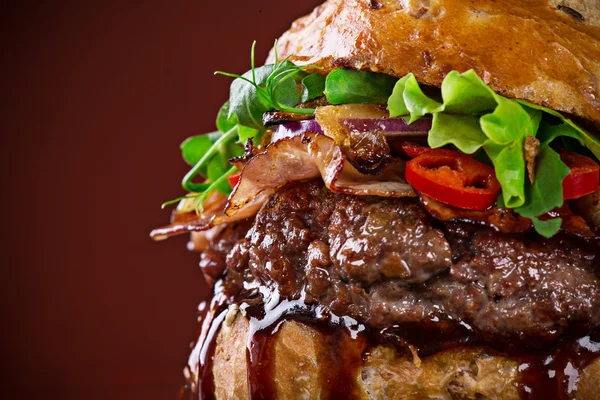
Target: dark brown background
{"x":96,"y":97}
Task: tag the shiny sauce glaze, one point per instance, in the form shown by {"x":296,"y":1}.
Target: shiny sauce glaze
{"x":546,"y":372}
{"x":199,"y":371}
{"x":345,"y":346}
{"x":554,"y":374}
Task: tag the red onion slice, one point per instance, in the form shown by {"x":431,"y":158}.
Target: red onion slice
{"x":295,"y":128}
{"x":355,"y":118}
{"x":393,"y":127}
{"x":341,"y":122}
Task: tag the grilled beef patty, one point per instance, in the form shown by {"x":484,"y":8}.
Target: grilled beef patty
{"x":385,"y":262}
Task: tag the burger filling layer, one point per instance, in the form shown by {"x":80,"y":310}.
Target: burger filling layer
{"x":386,"y":262}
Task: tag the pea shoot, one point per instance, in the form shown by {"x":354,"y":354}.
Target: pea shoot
{"x":279,"y":86}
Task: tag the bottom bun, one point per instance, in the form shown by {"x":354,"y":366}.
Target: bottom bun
{"x":300,"y":356}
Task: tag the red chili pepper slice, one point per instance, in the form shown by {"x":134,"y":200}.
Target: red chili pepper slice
{"x":413,"y":149}
{"x":583,"y":178}
{"x":233,"y":179}
{"x":454,"y":178}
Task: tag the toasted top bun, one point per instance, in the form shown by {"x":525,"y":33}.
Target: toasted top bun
{"x":299,"y":352}
{"x":543,"y":51}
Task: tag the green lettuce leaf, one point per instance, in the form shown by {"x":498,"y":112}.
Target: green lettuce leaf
{"x":547,"y":228}
{"x":509,"y":163}
{"x":445,"y":131}
{"x":545,"y":194}
{"x":345,"y":86}
{"x":417,"y":103}
{"x":549,"y":132}
{"x":408,"y":99}
{"x":467,"y":94}
{"x":589,"y":140}
{"x":509,"y":122}
{"x":466,"y":114}
{"x":396,"y":104}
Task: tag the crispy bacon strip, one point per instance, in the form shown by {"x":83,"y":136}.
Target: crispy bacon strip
{"x":185,"y":218}
{"x":293,"y":159}
{"x":309,"y":156}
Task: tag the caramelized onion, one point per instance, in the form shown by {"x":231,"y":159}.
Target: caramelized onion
{"x":506,"y":220}
{"x":366,"y":132}
{"x":589,"y":207}
{"x":503,"y":219}
{"x":571,"y":222}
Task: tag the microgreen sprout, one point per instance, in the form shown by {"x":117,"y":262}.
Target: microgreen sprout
{"x":279,"y":90}
{"x":188,"y":183}
{"x":270,"y":87}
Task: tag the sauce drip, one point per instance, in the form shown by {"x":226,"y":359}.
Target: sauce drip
{"x":339,"y":365}
{"x":551,"y":373}
{"x":555,"y":374}
{"x":199,"y":371}
{"x":265,"y":320}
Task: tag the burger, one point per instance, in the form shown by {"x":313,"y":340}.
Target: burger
{"x":403,"y":203}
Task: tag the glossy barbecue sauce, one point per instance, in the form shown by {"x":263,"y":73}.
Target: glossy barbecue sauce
{"x":554,"y":373}
{"x":345,"y":346}
{"x":548,"y":373}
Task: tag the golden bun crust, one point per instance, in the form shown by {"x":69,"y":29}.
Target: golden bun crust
{"x":461,"y":373}
{"x":536,"y":50}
